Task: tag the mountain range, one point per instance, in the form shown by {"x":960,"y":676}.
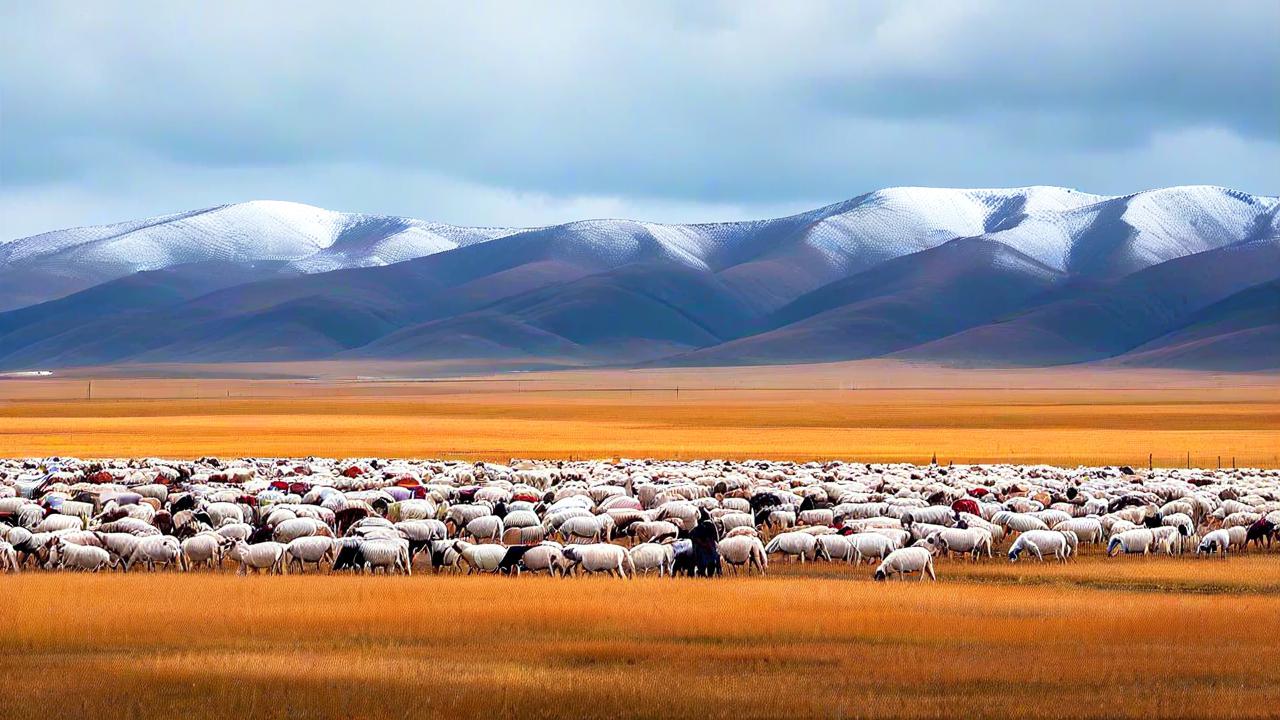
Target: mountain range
{"x":1176,"y":277}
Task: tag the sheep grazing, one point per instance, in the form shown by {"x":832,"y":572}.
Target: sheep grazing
{"x":154,"y":551}
{"x":1259,"y":531}
{"x":545,"y":557}
{"x":1041,"y":543}
{"x":317,"y":550}
{"x":794,"y":544}
{"x":487,"y":528}
{"x":479,"y":558}
{"x":390,"y":555}
{"x":872,"y":545}
{"x":294,"y":528}
{"x":671,"y":518}
{"x":8,"y":558}
{"x":584,"y":529}
{"x":204,"y":550}
{"x":1217,"y":541}
{"x":265,"y":557}
{"x":1087,"y":530}
{"x":745,"y":553}
{"x":973,"y":542}
{"x":905,"y":561}
{"x":1138,"y":541}
{"x":651,"y":556}
{"x":83,"y":558}
{"x":599,"y":558}
{"x":837,"y":547}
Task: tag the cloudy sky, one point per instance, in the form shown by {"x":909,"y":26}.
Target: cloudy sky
{"x":529,"y":113}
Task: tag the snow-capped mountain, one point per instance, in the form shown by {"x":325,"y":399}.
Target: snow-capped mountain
{"x":971,"y":274}
{"x":1064,"y":229}
{"x":302,"y":238}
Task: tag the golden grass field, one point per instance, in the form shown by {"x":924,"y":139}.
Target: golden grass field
{"x":1097,"y":638}
{"x":893,"y":413}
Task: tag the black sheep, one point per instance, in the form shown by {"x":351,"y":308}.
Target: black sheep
{"x":1261,"y":530}
{"x":514,"y":559}
{"x":350,"y":556}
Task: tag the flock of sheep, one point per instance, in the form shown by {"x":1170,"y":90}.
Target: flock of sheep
{"x":629,"y":517}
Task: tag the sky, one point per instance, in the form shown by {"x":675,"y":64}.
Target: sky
{"x":528,"y":113}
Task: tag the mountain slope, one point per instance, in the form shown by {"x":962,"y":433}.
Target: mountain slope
{"x":1239,"y":333}
{"x":898,"y":304}
{"x":630,"y":314}
{"x":308,"y":239}
{"x":777,"y":260}
{"x":1017,"y":276}
{"x":1097,"y":323}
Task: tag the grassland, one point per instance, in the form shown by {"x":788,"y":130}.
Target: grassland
{"x":1095,"y":639}
{"x":847,"y":411}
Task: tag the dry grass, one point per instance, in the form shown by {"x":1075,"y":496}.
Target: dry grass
{"x":499,"y":421}
{"x":1094,"y":639}
{"x":990,"y":640}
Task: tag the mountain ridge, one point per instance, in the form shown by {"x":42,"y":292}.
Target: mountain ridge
{"x":947,"y":274}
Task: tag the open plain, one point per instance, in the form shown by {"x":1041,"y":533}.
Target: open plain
{"x":1154,"y":637}
{"x":873,"y":411}
{"x":1096,"y":637}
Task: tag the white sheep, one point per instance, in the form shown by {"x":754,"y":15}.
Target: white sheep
{"x":1216,"y":541}
{"x":154,"y":550}
{"x":873,"y":545}
{"x":1087,"y":529}
{"x":204,"y":549}
{"x":315,"y":549}
{"x":8,"y":558}
{"x":389,"y":554}
{"x":587,"y":529}
{"x":545,"y":557}
{"x":905,"y":561}
{"x":600,"y":557}
{"x":966,"y":541}
{"x":297,"y":527}
{"x":265,"y":556}
{"x":479,"y":558}
{"x":1041,"y":543}
{"x":484,"y":528}
{"x":650,"y":556}
{"x":656,"y":530}
{"x":744,"y":552}
{"x":793,"y":544}
{"x":84,"y":558}
{"x":1137,"y":541}
{"x":837,"y":547}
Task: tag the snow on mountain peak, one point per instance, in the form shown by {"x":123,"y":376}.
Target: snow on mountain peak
{"x":1064,"y":229}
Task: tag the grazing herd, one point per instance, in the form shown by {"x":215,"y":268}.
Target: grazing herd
{"x":620,"y":518}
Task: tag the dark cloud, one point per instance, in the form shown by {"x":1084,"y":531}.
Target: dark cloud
{"x":646,"y":104}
